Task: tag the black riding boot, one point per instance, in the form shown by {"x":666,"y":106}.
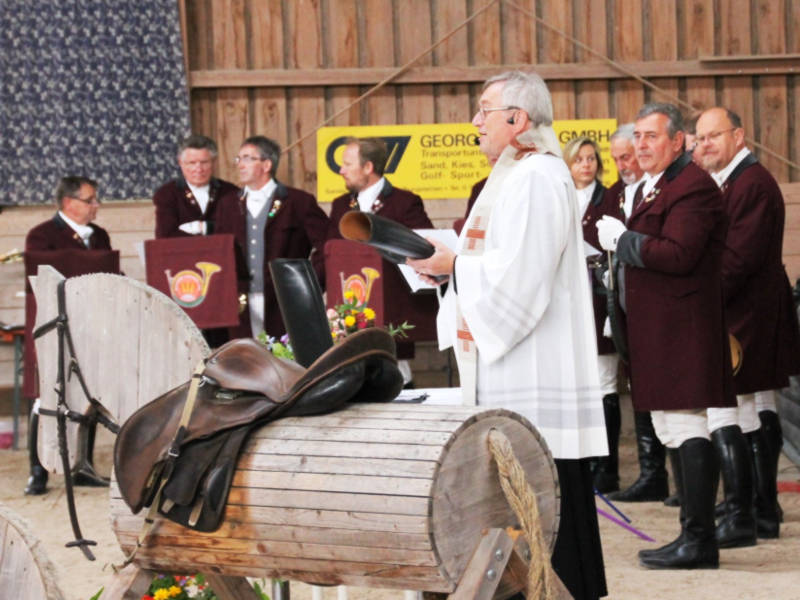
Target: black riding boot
{"x":651,"y":485}
{"x":768,"y":523}
{"x":677,"y":477}
{"x":696,"y":546}
{"x":85,"y":474}
{"x":300,"y":300}
{"x":37,"y":482}
{"x":737,"y":527}
{"x":771,"y":426}
{"x":605,"y":469}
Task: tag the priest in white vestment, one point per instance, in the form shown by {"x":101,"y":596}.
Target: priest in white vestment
{"x":517,"y":307}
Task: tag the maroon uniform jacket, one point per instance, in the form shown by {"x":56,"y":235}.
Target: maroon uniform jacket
{"x":596,"y":208}
{"x":758,"y":298}
{"x":672,"y":252}
{"x":401,"y":206}
{"x":298,"y":227}
{"x":54,"y":234}
{"x":175,"y":205}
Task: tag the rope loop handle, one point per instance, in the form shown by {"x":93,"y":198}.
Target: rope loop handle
{"x":522,"y":500}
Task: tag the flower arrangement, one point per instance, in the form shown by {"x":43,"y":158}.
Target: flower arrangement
{"x":343,"y":319}
{"x":176,"y":587}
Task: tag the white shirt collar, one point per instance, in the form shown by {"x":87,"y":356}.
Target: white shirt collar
{"x":585,"y":196}
{"x":650,"y":182}
{"x":82,"y":230}
{"x":368,"y":196}
{"x":201,"y":194}
{"x":722,"y":175}
{"x":256,"y":199}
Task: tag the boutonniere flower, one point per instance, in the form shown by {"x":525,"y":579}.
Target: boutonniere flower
{"x":276,"y":206}
{"x":353,"y":202}
{"x":652,"y":195}
{"x":377,"y":205}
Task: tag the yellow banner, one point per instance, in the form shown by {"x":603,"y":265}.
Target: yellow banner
{"x":441,"y":160}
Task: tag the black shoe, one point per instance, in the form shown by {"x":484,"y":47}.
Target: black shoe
{"x":651,"y":486}
{"x":696,"y":546}
{"x":672,"y":501}
{"x":88,"y":477}
{"x":737,"y":527}
{"x":37,"y":482}
{"x":605,"y":469}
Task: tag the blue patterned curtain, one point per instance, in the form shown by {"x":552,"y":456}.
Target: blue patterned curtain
{"x":89,"y":87}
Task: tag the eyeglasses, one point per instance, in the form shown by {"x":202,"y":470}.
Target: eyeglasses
{"x":712,"y":137}
{"x":482,"y":110}
{"x":90,"y":200}
{"x":247,"y":159}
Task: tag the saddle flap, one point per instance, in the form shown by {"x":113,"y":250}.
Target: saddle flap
{"x":245,"y":364}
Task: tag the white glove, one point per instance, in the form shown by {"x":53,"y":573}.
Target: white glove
{"x":608,"y":231}
{"x":193,"y":227}
{"x":607,"y":328}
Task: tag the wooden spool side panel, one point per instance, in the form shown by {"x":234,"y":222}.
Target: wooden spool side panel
{"x":131,"y":341}
{"x":25,"y":571}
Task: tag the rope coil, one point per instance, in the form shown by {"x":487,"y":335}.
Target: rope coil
{"x":522,"y":500}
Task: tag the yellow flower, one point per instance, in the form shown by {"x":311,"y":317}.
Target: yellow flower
{"x":161,"y":594}
{"x":349,"y":320}
{"x":174,"y":591}
{"x":349,"y":295}
{"x":369,"y":313}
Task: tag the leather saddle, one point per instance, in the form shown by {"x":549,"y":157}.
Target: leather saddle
{"x":179,"y":452}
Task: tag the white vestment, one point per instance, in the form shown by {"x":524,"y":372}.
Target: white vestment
{"x":526,"y":301}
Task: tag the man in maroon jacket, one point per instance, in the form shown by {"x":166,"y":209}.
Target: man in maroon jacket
{"x":363,"y":162}
{"x":671,"y":289}
{"x":190,"y":204}
{"x":270,"y":220}
{"x":71,"y":228}
{"x":760,"y":314}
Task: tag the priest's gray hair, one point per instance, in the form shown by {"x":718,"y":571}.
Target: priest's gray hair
{"x":674,"y":116}
{"x":527,"y":91}
{"x":623,"y":132}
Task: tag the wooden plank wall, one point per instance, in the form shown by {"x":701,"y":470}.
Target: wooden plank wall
{"x":281,"y":67}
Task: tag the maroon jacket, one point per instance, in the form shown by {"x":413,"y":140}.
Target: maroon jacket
{"x":758,"y":299}
{"x":672,"y":252}
{"x":175,"y":205}
{"x":298,"y":228}
{"x":53,"y":234}
{"x":406,"y":208}
{"x":596,"y":208}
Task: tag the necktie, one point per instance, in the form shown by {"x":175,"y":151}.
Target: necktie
{"x":637,"y":197}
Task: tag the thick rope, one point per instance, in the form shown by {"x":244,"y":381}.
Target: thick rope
{"x":522,"y":499}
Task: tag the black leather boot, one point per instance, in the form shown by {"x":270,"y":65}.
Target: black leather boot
{"x":677,"y":477}
{"x":737,"y":528}
{"x":37,"y":482}
{"x":84,"y":474}
{"x":768,"y":522}
{"x":300,"y":300}
{"x":696,"y":546}
{"x":771,"y":426}
{"x":651,"y":486}
{"x":605,"y":469}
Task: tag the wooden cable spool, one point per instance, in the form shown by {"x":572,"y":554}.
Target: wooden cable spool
{"x":379,"y":495}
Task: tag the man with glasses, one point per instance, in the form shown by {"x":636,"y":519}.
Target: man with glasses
{"x":271,"y":221}
{"x":760,"y":315}
{"x":190,"y":204}
{"x":70,"y":228}
{"x":671,"y":289}
{"x":517,"y":308}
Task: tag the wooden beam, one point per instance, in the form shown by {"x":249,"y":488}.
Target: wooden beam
{"x":704,"y":67}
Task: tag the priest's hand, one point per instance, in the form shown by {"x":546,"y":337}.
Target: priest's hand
{"x":608,"y":231}
{"x":441,"y":262}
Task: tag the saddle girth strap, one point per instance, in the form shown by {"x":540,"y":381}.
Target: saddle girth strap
{"x":172,"y":455}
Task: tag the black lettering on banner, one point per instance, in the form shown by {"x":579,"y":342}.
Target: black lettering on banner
{"x":396,"y":146}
